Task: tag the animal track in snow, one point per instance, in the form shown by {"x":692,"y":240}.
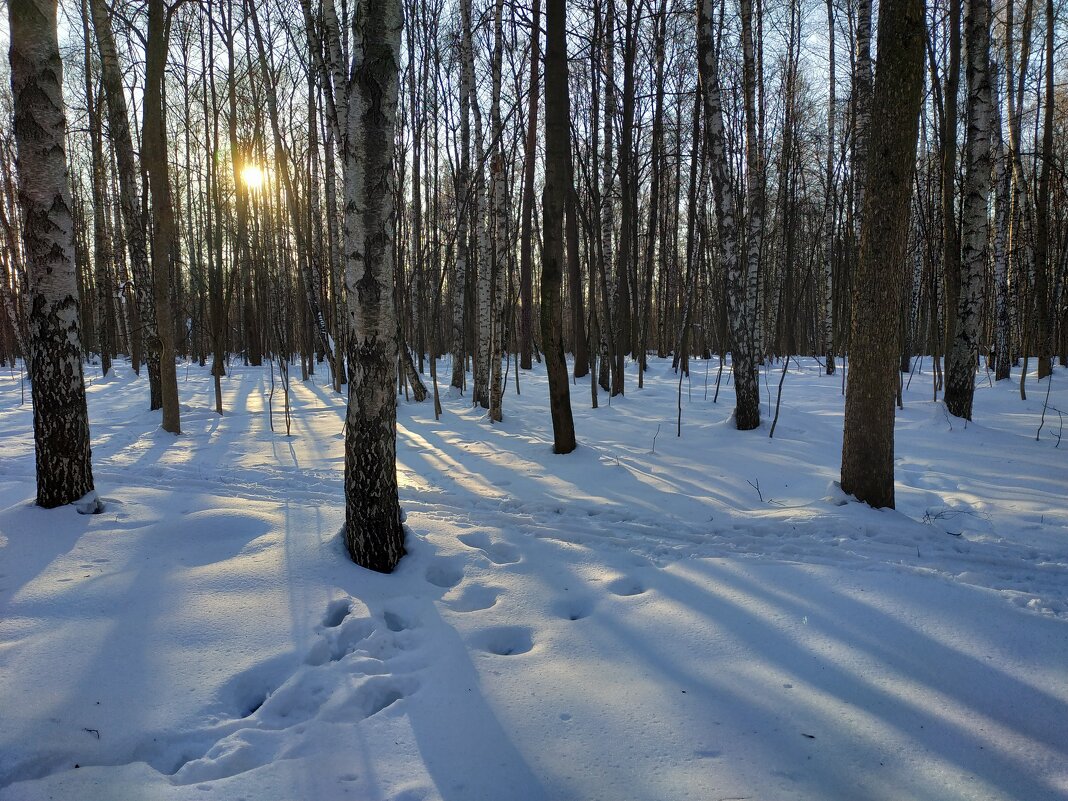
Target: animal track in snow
{"x":500,"y":553}
{"x":573,"y":608}
{"x":445,"y":573}
{"x":345,"y":678}
{"x":396,"y":622}
{"x":625,"y":586}
{"x":336,"y":612}
{"x":504,"y":640}
{"x":474,"y":598}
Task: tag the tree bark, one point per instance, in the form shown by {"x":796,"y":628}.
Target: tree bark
{"x":164,"y":231}
{"x":868,"y":442}
{"x":557,"y":147}
{"x":526,"y":236}
{"x":130,"y":200}
{"x":365,"y":100}
{"x":962,"y":357}
{"x":746,"y":385}
{"x":60,"y":416}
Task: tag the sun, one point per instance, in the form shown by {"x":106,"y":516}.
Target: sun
{"x":252,"y":176}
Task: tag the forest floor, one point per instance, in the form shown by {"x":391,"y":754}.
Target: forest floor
{"x":650,"y":618}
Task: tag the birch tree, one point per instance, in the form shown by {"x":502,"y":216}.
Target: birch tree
{"x":746,"y":386}
{"x":365,"y":83}
{"x":961,"y":358}
{"x":60,"y":416}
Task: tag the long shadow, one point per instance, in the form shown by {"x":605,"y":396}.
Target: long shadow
{"x":936,"y":667}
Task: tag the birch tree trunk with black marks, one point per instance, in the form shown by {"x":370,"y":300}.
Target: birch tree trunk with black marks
{"x":754,"y":171}
{"x":498,"y":220}
{"x":526,"y":233}
{"x":746,"y":386}
{"x":829,"y":203}
{"x":961,"y":358}
{"x":1043,"y":333}
{"x":60,"y":416}
{"x":1002,"y":205}
{"x":607,"y":316}
{"x":366,"y":85}
{"x":463,"y":201}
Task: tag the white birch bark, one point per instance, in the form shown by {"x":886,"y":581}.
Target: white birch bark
{"x":746,"y":386}
{"x":498,"y":219}
{"x":366,"y":90}
{"x":1000,"y":255}
{"x":60,"y":417}
{"x":961,"y":359}
{"x":463,"y":200}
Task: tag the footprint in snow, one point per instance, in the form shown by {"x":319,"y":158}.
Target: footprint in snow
{"x":277,"y":697}
{"x":498,"y":552}
{"x":445,"y":573}
{"x":504,"y":640}
{"x":626,"y":586}
{"x":336,"y":611}
{"x":474,"y":598}
{"x":573,"y":608}
{"x":396,"y":622}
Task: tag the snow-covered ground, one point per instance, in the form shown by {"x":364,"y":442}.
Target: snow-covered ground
{"x":649,"y":618}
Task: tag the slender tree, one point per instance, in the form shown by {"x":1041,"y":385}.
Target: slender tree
{"x":129,"y":201}
{"x":164,"y":230}
{"x":962,"y":356}
{"x":557,"y":146}
{"x":746,"y":385}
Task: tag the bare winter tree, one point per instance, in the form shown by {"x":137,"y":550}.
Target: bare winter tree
{"x":365,"y":80}
{"x":868,"y":444}
{"x":962,"y":357}
{"x":746,"y":386}
{"x":60,"y":416}
{"x":164,"y":228}
{"x":557,"y":149}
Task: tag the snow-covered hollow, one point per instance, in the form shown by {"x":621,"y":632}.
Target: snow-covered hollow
{"x":648,"y":618}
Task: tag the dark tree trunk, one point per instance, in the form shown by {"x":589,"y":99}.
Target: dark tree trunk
{"x":526,"y":236}
{"x":557,"y":148}
{"x":868,"y":444}
{"x":164,"y":230}
{"x":130,"y":200}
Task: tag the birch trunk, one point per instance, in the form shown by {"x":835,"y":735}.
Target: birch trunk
{"x":526,"y":235}
{"x":1002,"y":189}
{"x":829,"y":205}
{"x":754,"y":170}
{"x":961,"y":358}
{"x":365,"y":93}
{"x":463,"y":201}
{"x":60,"y":417}
{"x":746,"y":386}
{"x":498,"y":219}
{"x":607,"y":316}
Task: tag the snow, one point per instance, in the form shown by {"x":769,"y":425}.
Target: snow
{"x":648,"y":618}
